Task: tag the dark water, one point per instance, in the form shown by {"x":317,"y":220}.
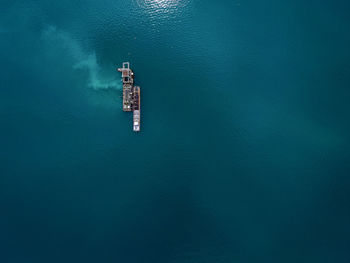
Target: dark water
{"x":244,"y":149}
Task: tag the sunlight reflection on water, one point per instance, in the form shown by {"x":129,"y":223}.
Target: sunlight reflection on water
{"x":161,"y":5}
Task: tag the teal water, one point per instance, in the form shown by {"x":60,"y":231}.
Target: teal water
{"x":244,"y":150}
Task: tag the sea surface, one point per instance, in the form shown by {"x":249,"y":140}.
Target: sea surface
{"x":244,"y":149}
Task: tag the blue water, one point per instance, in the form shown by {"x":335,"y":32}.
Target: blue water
{"x":244,"y":150}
